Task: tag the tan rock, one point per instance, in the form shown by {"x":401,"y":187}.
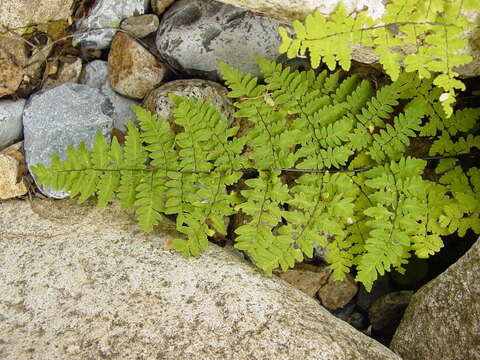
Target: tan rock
{"x":159,"y":6}
{"x":308,"y":279}
{"x":134,"y":71}
{"x":68,"y":72}
{"x":442,"y":320}
{"x":141,"y":26}
{"x":19,"y":13}
{"x":337,"y":294}
{"x":80,"y":283}
{"x":12,"y":170}
{"x":12,"y":58}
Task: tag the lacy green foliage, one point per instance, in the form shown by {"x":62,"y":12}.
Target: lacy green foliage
{"x":333,"y":167}
{"x":429,"y":33}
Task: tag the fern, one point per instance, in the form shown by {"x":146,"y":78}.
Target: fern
{"x":431,"y":31}
{"x":329,"y":163}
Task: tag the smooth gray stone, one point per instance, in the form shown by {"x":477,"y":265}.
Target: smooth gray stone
{"x":10,"y":121}
{"x":61,"y":116}
{"x":95,"y":31}
{"x":194,"y":35}
{"x":96,"y":76}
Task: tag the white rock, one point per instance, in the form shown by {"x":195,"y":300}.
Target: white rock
{"x":98,"y":28}
{"x":10,"y":121}
{"x":96,"y":76}
{"x":78,"y":283}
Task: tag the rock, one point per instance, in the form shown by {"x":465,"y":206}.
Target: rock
{"x":444,"y":314}
{"x":288,"y":10}
{"x":141,"y":26}
{"x":306,"y":278}
{"x":106,"y":15}
{"x":134,"y":72}
{"x":80,"y":283}
{"x":10,"y":121}
{"x":61,"y":116}
{"x":69,"y":71}
{"x":358,"y":320}
{"x":380,"y":287}
{"x":386,"y":312}
{"x":159,"y":6}
{"x":337,"y":294}
{"x":12,"y":59}
{"x":96,"y":76}
{"x":159,"y":103}
{"x":344,"y":312}
{"x":194,"y":35}
{"x":12,"y":170}
{"x":19,"y":13}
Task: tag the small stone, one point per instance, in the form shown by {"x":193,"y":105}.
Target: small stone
{"x":141,"y":26}
{"x":96,"y":76}
{"x":12,"y":58}
{"x":159,"y":103}
{"x":12,"y":170}
{"x":337,"y":294}
{"x":134,"y":71}
{"x":69,"y":72}
{"x":106,"y":15}
{"x":195,"y":35}
{"x":306,"y":278}
{"x":380,"y":287}
{"x":358,"y":320}
{"x":387,"y":311}
{"x":10,"y":121}
{"x":61,"y":116}
{"x":159,"y":6}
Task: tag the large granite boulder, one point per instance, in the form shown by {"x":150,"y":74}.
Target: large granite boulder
{"x":195,"y":35}
{"x":442,"y":320}
{"x":79,"y":283}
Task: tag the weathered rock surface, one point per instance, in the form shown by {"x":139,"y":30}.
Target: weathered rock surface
{"x":62,"y":116}
{"x":12,"y":170}
{"x":69,"y":71}
{"x":97,"y":29}
{"x":12,"y":59}
{"x":194,"y":35}
{"x":18,"y":13}
{"x":442,"y":320}
{"x":337,"y":294}
{"x":10,"y":121}
{"x":159,"y":6}
{"x":386,"y":312}
{"x":96,"y":75}
{"x":141,"y":26}
{"x":159,"y":103}
{"x":134,"y":71}
{"x":308,"y":279}
{"x":78,"y":283}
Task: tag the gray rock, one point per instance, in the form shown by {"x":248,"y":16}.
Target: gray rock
{"x":159,"y":103}
{"x":386,"y":312}
{"x":141,"y":26}
{"x":194,"y":35}
{"x":62,"y":116}
{"x":81,"y":283}
{"x":96,"y":76}
{"x":366,"y":299}
{"x":10,"y":121}
{"x":95,"y":31}
{"x":442,"y":320}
